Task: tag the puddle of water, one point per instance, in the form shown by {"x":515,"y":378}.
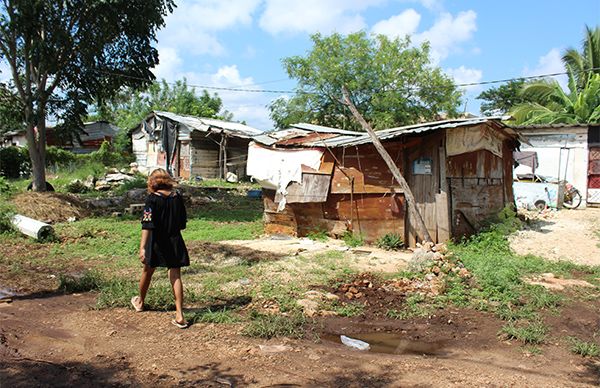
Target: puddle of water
{"x":393,"y":343}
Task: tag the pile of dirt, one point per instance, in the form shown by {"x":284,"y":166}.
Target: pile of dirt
{"x":50,"y":207}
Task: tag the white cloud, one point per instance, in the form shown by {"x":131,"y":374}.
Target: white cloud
{"x":448,"y":33}
{"x":169,"y":62}
{"x":549,"y":63}
{"x":310,"y":16}
{"x":194,"y":23}
{"x":400,"y":25}
{"x":464,"y":75}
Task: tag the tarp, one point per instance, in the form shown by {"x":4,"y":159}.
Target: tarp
{"x":276,"y":168}
{"x":463,"y":140}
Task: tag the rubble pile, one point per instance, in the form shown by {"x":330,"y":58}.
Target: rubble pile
{"x":532,"y":216}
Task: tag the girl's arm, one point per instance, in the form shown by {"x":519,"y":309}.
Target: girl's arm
{"x":144,"y":243}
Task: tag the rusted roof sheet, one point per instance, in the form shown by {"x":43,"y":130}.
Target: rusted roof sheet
{"x":543,"y":126}
{"x":204,"y":125}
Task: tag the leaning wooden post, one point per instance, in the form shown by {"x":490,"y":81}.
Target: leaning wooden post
{"x":413,"y":213}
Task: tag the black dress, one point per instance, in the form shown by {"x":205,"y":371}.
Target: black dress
{"x":165,"y":216}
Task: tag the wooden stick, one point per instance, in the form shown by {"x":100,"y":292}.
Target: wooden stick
{"x":414,"y":215}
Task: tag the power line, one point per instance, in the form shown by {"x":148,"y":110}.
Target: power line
{"x":245,"y":90}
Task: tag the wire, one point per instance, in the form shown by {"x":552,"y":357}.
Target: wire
{"x":244,"y":90}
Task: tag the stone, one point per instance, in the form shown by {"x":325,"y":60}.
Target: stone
{"x":330,"y":296}
{"x":421,"y":260}
{"x":309,"y":306}
{"x":136,"y":194}
{"x":90,"y":182}
{"x":116,"y":214}
{"x":353,"y":290}
{"x":118,"y":177}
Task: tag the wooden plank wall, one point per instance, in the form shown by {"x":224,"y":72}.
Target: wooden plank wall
{"x":204,"y":155}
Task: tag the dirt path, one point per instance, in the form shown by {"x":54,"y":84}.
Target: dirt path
{"x":566,"y":235}
{"x":58,"y":340}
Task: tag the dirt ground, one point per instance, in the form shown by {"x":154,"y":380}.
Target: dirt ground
{"x":58,"y":340}
{"x":572,"y":235}
{"x":49,"y":339}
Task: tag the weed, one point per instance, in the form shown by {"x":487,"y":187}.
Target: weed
{"x":139,"y":182}
{"x":6,"y":214}
{"x":352,"y":240}
{"x":390,"y":242}
{"x":532,"y":349}
{"x":317,"y":235}
{"x":349,"y":309}
{"x":269,"y":326}
{"x":583,"y":348}
{"x":529,"y":333}
{"x":209,"y":315}
{"x":415,"y":308}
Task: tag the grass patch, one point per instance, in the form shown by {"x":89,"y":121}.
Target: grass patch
{"x":209,"y":315}
{"x":529,"y":333}
{"x":88,"y":281}
{"x":270,"y":326}
{"x":416,"y":307}
{"x":349,"y":309}
{"x":352,"y":240}
{"x":390,"y":242}
{"x":317,"y":235}
{"x":583,"y":348}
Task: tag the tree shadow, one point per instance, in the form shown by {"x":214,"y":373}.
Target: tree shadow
{"x":213,"y":375}
{"x":215,"y":253}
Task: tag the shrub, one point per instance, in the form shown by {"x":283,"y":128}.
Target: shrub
{"x":108,"y":157}
{"x":6,"y":214}
{"x":352,"y":240}
{"x":4,"y":186}
{"x":14,"y":162}
{"x":58,"y":157}
{"x":390,"y":242}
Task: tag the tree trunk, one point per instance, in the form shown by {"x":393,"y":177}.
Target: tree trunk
{"x":36,"y":143}
{"x":415,"y":217}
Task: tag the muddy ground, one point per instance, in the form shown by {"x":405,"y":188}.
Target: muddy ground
{"x":52,"y":339}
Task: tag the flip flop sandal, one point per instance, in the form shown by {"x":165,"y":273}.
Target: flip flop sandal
{"x":134,"y":302}
{"x":183,"y":325}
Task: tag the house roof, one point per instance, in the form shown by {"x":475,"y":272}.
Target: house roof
{"x":98,"y":130}
{"x":205,"y":125}
{"x":303,"y":134}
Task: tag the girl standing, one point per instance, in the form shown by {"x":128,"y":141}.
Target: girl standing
{"x":161,"y":244}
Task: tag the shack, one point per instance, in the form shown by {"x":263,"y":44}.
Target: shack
{"x":319,"y":178}
{"x":563,"y":152}
{"x":190,"y":147}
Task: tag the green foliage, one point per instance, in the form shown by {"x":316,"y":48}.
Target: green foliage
{"x":58,"y":157}
{"x":529,"y":333}
{"x":14,"y":162}
{"x":580,"y":62}
{"x":270,"y":326}
{"x":500,"y":100}
{"x":6,"y":214}
{"x":108,"y":156}
{"x":129,"y":107}
{"x":75,"y":49}
{"x":390,"y":242}
{"x":317,"y":235}
{"x":139,"y":182}
{"x":583,"y":348}
{"x":352,"y":240}
{"x":88,"y":281}
{"x":391,"y":83}
{"x":5,"y":187}
{"x":415,"y":308}
{"x":11,"y":110}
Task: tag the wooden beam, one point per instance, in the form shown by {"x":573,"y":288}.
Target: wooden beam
{"x":413,"y":212}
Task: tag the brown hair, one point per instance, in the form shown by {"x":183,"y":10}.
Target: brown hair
{"x":160,"y":179}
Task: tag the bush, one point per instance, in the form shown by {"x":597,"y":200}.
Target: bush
{"x":6,"y":214}
{"x":4,"y":186}
{"x":58,"y":157}
{"x":352,"y":240}
{"x":108,"y":157}
{"x":390,"y":242}
{"x":14,"y":162}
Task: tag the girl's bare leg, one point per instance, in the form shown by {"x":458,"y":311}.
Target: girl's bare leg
{"x":147,"y":273}
{"x":175,"y":278}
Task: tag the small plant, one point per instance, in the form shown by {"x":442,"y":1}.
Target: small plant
{"x":349,"y":309}
{"x":4,"y":186}
{"x":317,"y":235}
{"x":352,"y":240}
{"x":390,"y":242}
{"x":269,"y":326}
{"x":6,"y":214}
{"x":531,"y":333}
{"x":583,"y":348}
{"x":414,"y":308}
{"x":89,"y":281}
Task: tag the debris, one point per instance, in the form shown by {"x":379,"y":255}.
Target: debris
{"x":309,"y":306}
{"x":32,"y":228}
{"x":231,"y":177}
{"x":354,"y":343}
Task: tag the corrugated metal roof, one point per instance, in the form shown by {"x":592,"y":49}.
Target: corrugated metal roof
{"x":322,"y":129}
{"x":204,"y":124}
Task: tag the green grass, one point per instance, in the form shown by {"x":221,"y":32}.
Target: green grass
{"x":317,"y":235}
{"x":390,"y":242}
{"x":416,"y":307}
{"x":349,"y":309}
{"x":583,"y":348}
{"x":270,"y":326}
{"x":209,"y":315}
{"x":352,"y":240}
{"x":531,"y":333}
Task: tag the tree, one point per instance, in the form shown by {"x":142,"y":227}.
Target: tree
{"x":500,"y":100}
{"x":586,"y":62}
{"x":551,"y":105}
{"x":391,"y":83}
{"x":11,"y":112}
{"x":63,"y":54}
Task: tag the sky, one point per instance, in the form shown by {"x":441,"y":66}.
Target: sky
{"x":240,"y":43}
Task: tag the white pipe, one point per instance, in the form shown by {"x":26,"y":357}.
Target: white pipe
{"x":32,"y":228}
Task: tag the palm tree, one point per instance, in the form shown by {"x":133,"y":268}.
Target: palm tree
{"x":553,"y":106}
{"x":586,"y":62}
